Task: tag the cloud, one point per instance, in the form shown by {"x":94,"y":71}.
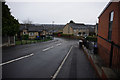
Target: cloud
{"x":58,"y":0}
{"x":60,"y":12}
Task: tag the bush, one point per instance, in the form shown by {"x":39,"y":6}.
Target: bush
{"x":55,"y":34}
{"x":25,"y":37}
{"x":91,"y":38}
{"x":67,"y":35}
{"x":48,"y":37}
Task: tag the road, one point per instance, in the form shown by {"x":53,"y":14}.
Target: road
{"x":46,"y":60}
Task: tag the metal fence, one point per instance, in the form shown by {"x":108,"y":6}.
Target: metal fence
{"x":22,"y":41}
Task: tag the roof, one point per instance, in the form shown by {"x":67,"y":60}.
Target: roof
{"x":22,"y":27}
{"x":35,"y":28}
{"x":39,"y":28}
{"x":80,"y":26}
{"x":31,"y":28}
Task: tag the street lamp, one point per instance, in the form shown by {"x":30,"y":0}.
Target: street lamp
{"x":53,"y":28}
{"x":44,"y":31}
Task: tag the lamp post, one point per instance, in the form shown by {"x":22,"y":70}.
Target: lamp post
{"x":53,"y":28}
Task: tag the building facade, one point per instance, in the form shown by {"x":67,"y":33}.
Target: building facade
{"x":109,"y":35}
{"x":96,"y":29}
{"x":68,"y":30}
{"x":32,"y":31}
{"x":77,"y":29}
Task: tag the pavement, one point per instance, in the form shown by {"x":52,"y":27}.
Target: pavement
{"x":77,"y":66}
{"x":42,"y":60}
{"x":104,"y":72}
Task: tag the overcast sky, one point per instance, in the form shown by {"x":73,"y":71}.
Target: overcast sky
{"x":60,"y":12}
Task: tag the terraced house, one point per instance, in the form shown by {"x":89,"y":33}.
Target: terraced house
{"x":78,"y":29}
{"x":33,"y":31}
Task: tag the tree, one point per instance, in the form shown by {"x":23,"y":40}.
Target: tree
{"x":25,"y":37}
{"x":27,"y":22}
{"x":10,"y":26}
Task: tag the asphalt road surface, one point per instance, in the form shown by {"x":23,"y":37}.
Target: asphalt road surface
{"x":59,"y":58}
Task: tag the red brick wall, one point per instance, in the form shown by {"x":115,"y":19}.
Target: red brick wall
{"x":115,"y":23}
{"x":116,"y":50}
{"x":104,"y":50}
{"x":119,"y":25}
{"x":103,"y":26}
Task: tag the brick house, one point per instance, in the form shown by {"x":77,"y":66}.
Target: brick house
{"x":109,"y":35}
{"x":33,"y":31}
{"x":78,"y":29}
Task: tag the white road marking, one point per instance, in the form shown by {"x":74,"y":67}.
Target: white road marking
{"x":58,"y":44}
{"x":47,"y":48}
{"x":58,"y":70}
{"x":51,"y":47}
{"x":16,"y":59}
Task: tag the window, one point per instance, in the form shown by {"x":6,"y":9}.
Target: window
{"x":83,"y":32}
{"x":31,"y":34}
{"x":111,"y":16}
{"x":74,"y":30}
{"x":110,"y":25}
{"x":24,"y":33}
{"x":79,"y":33}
